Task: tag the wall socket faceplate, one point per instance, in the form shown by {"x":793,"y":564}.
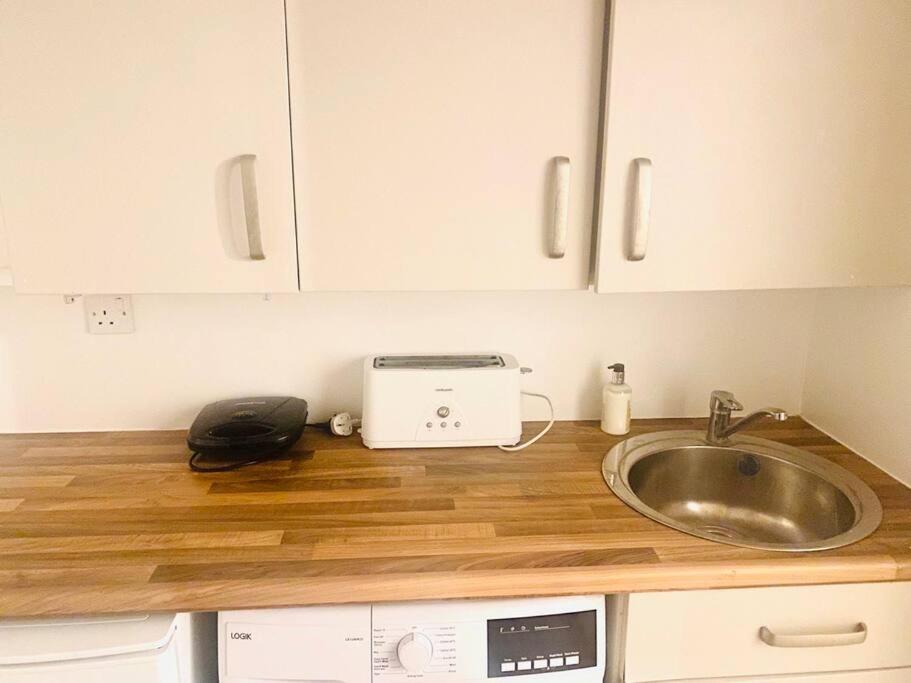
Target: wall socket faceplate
{"x":108,"y":314}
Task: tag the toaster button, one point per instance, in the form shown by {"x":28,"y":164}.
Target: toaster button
{"x":429,"y":425}
{"x":458,"y":424}
{"x":443,"y":425}
{"x":443,"y":411}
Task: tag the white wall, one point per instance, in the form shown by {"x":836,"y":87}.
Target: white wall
{"x":858,"y":385}
{"x":189,"y":350}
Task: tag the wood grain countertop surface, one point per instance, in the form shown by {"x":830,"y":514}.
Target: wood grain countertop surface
{"x":116,"y":522}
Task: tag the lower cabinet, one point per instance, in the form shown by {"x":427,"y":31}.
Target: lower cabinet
{"x":851,"y":633}
{"x":902,"y":675}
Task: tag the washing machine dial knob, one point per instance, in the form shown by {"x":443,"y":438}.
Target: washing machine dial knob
{"x":415,"y":652}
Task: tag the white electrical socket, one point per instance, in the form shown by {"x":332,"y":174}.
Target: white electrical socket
{"x":108,"y":314}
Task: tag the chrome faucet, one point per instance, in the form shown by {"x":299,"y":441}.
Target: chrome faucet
{"x":721,"y":405}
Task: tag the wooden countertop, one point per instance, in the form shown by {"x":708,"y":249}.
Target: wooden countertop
{"x":114,"y":522}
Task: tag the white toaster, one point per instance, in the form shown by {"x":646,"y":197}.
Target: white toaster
{"x":422,"y":401}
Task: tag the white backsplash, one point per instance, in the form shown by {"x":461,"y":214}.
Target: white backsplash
{"x":192,"y":349}
{"x":858,"y":385}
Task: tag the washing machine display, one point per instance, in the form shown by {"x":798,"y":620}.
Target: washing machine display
{"x":541,"y":644}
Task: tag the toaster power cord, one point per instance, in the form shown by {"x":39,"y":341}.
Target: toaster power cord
{"x":228,"y":467}
{"x":519,"y":447}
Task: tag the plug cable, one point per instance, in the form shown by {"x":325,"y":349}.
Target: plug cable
{"x":264,"y":457}
{"x":519,"y":447}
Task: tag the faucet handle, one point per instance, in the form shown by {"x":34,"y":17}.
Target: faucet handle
{"x":724,"y":400}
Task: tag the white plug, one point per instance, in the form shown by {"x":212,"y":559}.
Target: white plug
{"x":342,"y":424}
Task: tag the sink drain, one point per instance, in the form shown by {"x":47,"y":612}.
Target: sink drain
{"x":748,"y":466}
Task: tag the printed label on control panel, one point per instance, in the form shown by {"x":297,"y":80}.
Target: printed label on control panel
{"x":542,"y":644}
{"x":442,"y":659}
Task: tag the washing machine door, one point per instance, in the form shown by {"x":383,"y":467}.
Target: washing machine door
{"x":135,"y":648}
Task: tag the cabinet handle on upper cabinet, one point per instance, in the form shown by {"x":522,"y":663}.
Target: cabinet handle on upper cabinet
{"x":561,"y":207}
{"x":853,"y":637}
{"x":642,"y":208}
{"x":251,"y":206}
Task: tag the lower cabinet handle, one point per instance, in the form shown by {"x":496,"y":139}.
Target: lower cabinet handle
{"x":561,"y":207}
{"x":853,"y":637}
{"x":251,"y":206}
{"x":642,"y":208}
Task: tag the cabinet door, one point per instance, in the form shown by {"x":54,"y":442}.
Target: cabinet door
{"x":866,"y":676}
{"x":724,"y":634}
{"x":426,"y":139}
{"x":778,"y":133}
{"x":126,"y":127}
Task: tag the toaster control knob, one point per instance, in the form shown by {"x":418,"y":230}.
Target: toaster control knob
{"x":415,"y":651}
{"x":443,"y":411}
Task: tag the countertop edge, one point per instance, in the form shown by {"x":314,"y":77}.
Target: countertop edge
{"x":242,"y":594}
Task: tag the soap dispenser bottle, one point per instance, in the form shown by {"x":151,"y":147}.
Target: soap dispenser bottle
{"x":615,"y":402}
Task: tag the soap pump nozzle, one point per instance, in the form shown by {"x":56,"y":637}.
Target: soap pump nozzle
{"x":619,"y":371}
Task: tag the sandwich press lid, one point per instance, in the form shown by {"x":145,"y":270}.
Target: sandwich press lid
{"x":33,"y":641}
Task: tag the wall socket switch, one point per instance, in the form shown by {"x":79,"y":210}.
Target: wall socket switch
{"x":108,"y":314}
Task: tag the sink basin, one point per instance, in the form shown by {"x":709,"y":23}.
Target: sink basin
{"x":750,"y":492}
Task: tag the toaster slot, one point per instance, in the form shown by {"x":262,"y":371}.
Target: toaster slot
{"x":439,"y":362}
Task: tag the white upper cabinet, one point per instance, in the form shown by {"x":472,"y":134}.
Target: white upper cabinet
{"x":779,"y":139}
{"x":142,"y":142}
{"x":445,"y":144}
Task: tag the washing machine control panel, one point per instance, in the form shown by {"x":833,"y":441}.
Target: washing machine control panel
{"x":467,"y":641}
{"x":404,"y":651}
{"x":541,"y":644}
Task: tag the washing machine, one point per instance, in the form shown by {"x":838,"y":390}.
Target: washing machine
{"x":540,"y":640}
{"x":139,"y":648}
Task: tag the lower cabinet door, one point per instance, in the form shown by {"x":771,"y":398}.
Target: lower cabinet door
{"x":769,"y":632}
{"x":136,"y":668}
{"x":869,"y":676}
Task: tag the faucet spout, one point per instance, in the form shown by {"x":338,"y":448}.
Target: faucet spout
{"x":774,"y":413}
{"x":721,"y":404}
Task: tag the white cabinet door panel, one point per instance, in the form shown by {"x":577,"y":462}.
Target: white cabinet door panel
{"x":122,"y":126}
{"x":779,"y":133}
{"x":868,"y":676}
{"x":425,"y":140}
{"x":716,"y":633}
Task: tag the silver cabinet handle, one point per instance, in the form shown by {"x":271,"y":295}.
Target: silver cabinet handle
{"x":561,"y":207}
{"x":853,"y":637}
{"x":251,"y":206}
{"x":642,"y":208}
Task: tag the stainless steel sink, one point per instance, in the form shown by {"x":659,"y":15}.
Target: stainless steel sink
{"x":747,"y":492}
